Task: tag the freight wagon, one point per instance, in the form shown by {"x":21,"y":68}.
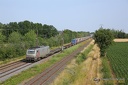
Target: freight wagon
{"x":36,"y":53}
{"x":74,"y":41}
{"x":78,"y":40}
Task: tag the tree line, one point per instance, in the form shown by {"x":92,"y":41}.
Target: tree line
{"x":119,"y":34}
{"x":17,"y":37}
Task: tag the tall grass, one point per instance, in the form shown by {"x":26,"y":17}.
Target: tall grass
{"x":74,"y":71}
{"x":107,"y":75}
{"x":82,"y":56}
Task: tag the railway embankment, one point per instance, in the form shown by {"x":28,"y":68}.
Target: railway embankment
{"x":28,"y":74}
{"x":82,"y":69}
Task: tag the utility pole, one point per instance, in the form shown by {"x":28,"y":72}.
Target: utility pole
{"x":62,"y":41}
{"x":101,"y":25}
{"x":37,"y":37}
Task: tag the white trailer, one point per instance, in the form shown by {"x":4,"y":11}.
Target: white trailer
{"x":36,"y":53}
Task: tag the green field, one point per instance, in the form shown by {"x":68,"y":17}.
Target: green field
{"x":117,"y":54}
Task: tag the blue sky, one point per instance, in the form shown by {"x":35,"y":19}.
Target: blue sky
{"x":76,"y":15}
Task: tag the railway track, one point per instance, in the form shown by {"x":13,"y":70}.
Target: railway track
{"x":11,"y":69}
{"x":10,"y":64}
{"x":48,"y":75}
{"x":8,"y":70}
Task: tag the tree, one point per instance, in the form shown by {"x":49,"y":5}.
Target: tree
{"x":49,"y":31}
{"x":31,"y":38}
{"x":67,"y":35}
{"x":103,"y":38}
{"x":119,"y":34}
{"x":25,"y":26}
{"x":1,"y":25}
{"x":15,"y":37}
{"x":2,"y":38}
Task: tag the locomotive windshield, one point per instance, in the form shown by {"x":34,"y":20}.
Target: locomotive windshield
{"x":31,"y":51}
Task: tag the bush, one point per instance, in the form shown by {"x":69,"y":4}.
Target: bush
{"x":82,"y":56}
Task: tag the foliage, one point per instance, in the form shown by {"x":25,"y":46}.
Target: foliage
{"x":49,"y":31}
{"x":2,"y":38}
{"x":8,"y":51}
{"x":25,"y":34}
{"x":30,"y":38}
{"x":119,"y":34}
{"x":104,"y":38}
{"x":107,"y":76}
{"x":82,"y":56}
{"x":117,"y":54}
{"x":15,"y":37}
{"x":45,"y":31}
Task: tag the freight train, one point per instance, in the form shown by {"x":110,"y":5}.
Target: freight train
{"x":36,"y":53}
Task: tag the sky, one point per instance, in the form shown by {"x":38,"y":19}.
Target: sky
{"x":75,"y":15}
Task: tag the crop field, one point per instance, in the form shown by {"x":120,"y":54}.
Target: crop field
{"x":120,"y":40}
{"x":117,"y":55}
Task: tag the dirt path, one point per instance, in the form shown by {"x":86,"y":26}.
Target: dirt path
{"x":93,"y":65}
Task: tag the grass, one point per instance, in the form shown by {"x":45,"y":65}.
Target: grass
{"x":38,"y":68}
{"x":6,"y":61}
{"x":82,"y":56}
{"x":107,"y":75}
{"x":75,"y":71}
